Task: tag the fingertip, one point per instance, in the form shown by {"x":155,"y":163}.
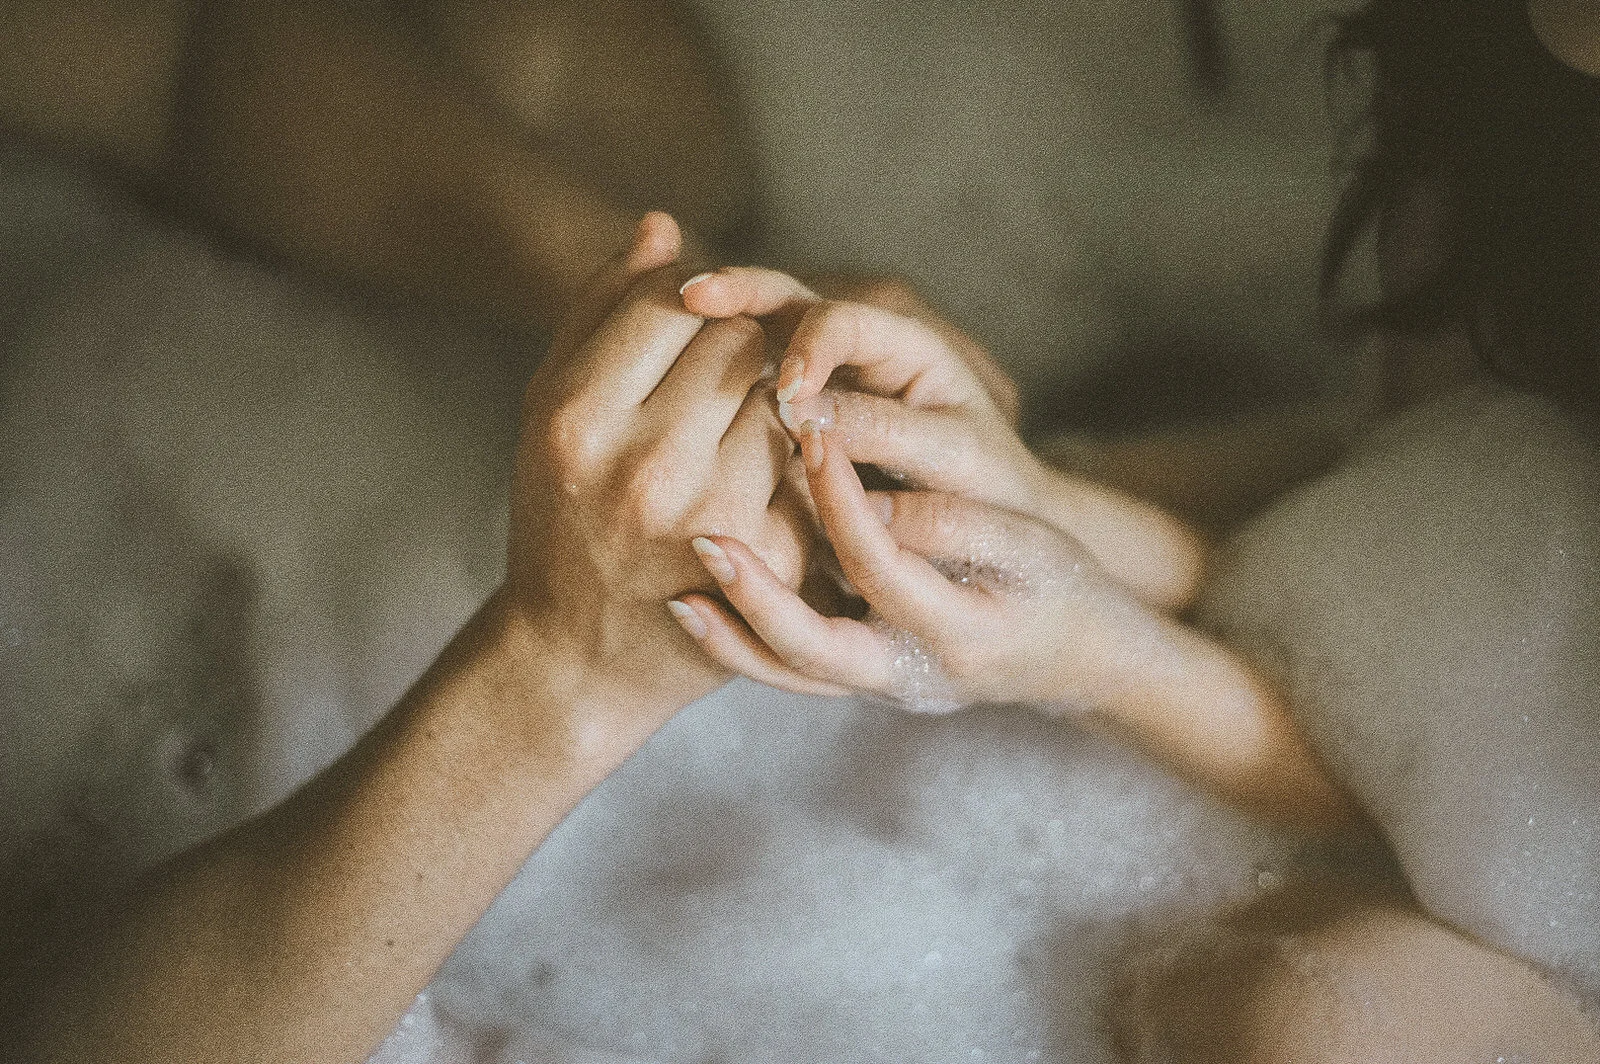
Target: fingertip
{"x":697,"y":279}
{"x":657,"y":240}
{"x":790,"y":379}
{"x":715,"y":559}
{"x":707,"y":294}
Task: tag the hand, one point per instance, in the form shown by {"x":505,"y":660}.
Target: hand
{"x":974,"y":603}
{"x":971,"y":603}
{"x":898,"y":297}
{"x":644,"y":428}
{"x":920,"y":410}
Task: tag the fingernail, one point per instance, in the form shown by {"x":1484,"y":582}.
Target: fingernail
{"x":696,"y":279}
{"x":811,"y":444}
{"x":688,"y":618}
{"x":883,"y":503}
{"x":792,"y":389}
{"x":715,"y":559}
{"x":820,"y":408}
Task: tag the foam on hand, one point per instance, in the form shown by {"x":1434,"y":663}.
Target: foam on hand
{"x":916,"y":682}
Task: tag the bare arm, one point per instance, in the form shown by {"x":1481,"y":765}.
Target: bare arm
{"x":304,"y":934}
{"x":328,"y":134}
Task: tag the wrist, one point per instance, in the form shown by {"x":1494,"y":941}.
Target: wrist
{"x":605,"y":698}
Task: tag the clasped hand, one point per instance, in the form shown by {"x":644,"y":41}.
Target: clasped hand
{"x":645,"y":427}
{"x":989,"y":576}
{"x":653,"y":429}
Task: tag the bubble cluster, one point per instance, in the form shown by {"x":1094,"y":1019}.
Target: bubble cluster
{"x":916,"y":681}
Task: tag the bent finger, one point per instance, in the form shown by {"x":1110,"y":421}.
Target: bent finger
{"x":631,"y":351}
{"x":755,"y":450}
{"x":729,"y":642}
{"x":834,"y":650}
{"x":902,"y":586}
{"x":709,"y":383}
{"x":892,"y":355}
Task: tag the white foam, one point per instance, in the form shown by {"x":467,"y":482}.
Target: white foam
{"x":1432,"y":607}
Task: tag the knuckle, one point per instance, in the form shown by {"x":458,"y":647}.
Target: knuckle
{"x":844,"y":317}
{"x":572,"y":437}
{"x":932,"y":516}
{"x":1005,"y":392}
{"x":946,"y":518}
{"x":831,"y":323}
{"x":870,"y":581}
{"x":652,"y":498}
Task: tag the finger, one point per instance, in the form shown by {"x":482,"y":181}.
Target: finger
{"x":730,"y":643}
{"x":893,"y":356}
{"x":904,"y":588}
{"x":657,"y":242}
{"x":755,"y":450}
{"x":627,"y":356}
{"x":898,"y":296}
{"x":834,"y":650}
{"x":704,"y":390}
{"x":936,"y":448}
{"x":973,"y":543}
{"x":749,"y":290}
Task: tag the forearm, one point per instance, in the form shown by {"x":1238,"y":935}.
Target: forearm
{"x":305,"y":934}
{"x":1203,"y":710}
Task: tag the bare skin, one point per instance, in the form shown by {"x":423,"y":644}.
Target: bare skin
{"x":401,"y":155}
{"x":1392,"y":984}
{"x":1088,"y":628}
{"x":1323,"y":978}
{"x":356,"y":889}
{"x":480,"y":676}
{"x":1571,"y":30}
